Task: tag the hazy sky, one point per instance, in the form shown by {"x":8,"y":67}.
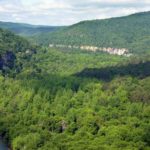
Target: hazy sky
{"x":65,"y":12}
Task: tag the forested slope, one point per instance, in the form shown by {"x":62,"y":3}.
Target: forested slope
{"x":131,"y":32}
{"x":15,"y":52}
{"x":57,"y":108}
{"x":59,"y":99}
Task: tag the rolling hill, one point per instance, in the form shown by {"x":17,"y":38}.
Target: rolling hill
{"x":27,"y":29}
{"x":131,"y":32}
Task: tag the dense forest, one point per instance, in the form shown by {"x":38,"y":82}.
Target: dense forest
{"x":15,"y":51}
{"x":131,"y":32}
{"x":60,"y":99}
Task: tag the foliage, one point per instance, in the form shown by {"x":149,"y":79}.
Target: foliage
{"x":48,"y":107}
{"x":15,"y":51}
{"x":131,"y":32}
{"x":54,"y":99}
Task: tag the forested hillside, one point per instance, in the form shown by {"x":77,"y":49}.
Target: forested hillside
{"x":27,"y":29}
{"x":61,"y":99}
{"x":15,"y":52}
{"x":131,"y":32}
{"x":51,"y":102}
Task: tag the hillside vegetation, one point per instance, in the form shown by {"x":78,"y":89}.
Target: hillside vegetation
{"x":51,"y":102}
{"x":15,"y":51}
{"x":131,"y":32}
{"x":60,"y":99}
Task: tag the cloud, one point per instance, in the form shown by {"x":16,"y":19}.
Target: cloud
{"x":65,"y":12}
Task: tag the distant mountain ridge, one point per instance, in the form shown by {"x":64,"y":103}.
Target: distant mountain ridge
{"x":27,"y":29}
{"x":131,"y":32}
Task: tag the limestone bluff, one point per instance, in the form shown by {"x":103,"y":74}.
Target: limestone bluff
{"x":110,"y":50}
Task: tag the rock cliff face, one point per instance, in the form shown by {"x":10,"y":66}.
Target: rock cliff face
{"x":114,"y":51}
{"x":7,"y":60}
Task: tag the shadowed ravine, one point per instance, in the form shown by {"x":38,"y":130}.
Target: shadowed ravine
{"x":140,"y":70}
{"x":3,"y":146}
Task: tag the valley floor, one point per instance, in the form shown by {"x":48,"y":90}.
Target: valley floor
{"x":76,"y":100}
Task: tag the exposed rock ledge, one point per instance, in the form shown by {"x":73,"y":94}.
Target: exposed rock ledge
{"x":114,"y":51}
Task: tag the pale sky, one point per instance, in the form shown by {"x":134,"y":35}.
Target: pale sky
{"x":66,"y":12}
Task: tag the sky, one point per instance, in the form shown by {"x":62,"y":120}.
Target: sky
{"x":67,"y":12}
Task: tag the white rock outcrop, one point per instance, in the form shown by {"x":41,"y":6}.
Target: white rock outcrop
{"x":110,"y":50}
